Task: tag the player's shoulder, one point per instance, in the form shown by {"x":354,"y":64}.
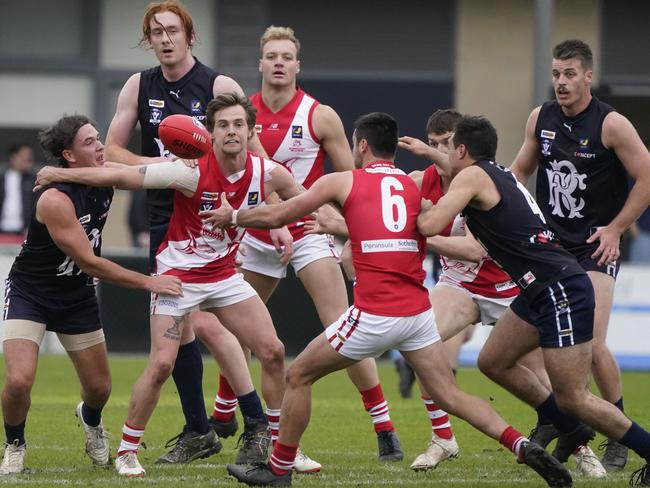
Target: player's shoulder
{"x":54,"y":201}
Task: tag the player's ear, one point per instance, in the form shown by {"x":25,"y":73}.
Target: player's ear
{"x":297,"y":66}
{"x":589,"y":74}
{"x":259,"y":66}
{"x":68,"y":155}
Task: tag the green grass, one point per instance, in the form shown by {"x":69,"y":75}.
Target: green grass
{"x":340,"y":435}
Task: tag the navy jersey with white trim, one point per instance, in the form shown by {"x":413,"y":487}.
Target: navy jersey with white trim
{"x":158,"y":98}
{"x":581,"y":185}
{"x":42,"y":269}
{"x":516,"y":236}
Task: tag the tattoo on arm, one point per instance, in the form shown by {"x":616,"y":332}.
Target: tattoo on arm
{"x":174,"y":332}
{"x":142,"y":169}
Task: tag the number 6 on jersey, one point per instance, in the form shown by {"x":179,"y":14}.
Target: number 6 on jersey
{"x":393,"y":207}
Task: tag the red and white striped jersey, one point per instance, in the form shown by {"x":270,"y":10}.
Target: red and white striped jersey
{"x":485,"y":278}
{"x":288,"y":138}
{"x":191,"y":250}
{"x":387,"y":250}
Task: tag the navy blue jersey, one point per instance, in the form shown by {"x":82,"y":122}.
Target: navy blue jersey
{"x":516,"y":236}
{"x":581,"y":185}
{"x":42,"y":269}
{"x":158,"y":98}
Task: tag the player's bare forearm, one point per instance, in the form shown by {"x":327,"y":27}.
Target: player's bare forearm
{"x":457,"y":247}
{"x":126,"y":178}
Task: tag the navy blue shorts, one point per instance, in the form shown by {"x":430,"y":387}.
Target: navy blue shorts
{"x":79,"y":317}
{"x":563,"y":313}
{"x":583,"y":256}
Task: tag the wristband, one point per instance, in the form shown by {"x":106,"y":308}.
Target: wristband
{"x":233,"y":218}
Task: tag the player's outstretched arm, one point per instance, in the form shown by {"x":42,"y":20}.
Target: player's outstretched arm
{"x":463,"y":248}
{"x":55,"y":210}
{"x":423,"y":150}
{"x":173,"y":175}
{"x":525,"y":162}
{"x":464,"y":187}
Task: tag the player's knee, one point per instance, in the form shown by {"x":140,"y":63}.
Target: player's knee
{"x":18,"y":384}
{"x":571,"y":402}
{"x":271,"y":354}
{"x":98,"y":391}
{"x":487,"y":364}
{"x":160,"y":369}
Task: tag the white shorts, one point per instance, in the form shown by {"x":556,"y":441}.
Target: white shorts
{"x":262,"y":258}
{"x":490,"y":309}
{"x":203,"y":296}
{"x":359,"y":335}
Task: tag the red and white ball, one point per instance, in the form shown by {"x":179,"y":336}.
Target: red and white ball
{"x":184,"y":136}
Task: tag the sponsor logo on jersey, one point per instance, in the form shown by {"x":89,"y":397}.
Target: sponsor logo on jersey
{"x":156,"y":103}
{"x":583,"y":152}
{"x":546,"y":147}
{"x":85,"y":219}
{"x":296,"y":131}
{"x":155,"y":117}
{"x":195,"y":106}
{"x":563,"y":181}
{"x":547,"y":134}
{"x":274,"y":126}
{"x":210,"y":195}
{"x":389,"y":245}
{"x":526,"y":280}
{"x":506,"y":285}
{"x":584,"y":142}
{"x":253,"y":197}
{"x":176,"y":93}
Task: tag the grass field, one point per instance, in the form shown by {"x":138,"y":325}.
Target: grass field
{"x":340,"y":435}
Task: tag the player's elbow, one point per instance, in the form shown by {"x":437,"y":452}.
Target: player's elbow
{"x":424,"y":227}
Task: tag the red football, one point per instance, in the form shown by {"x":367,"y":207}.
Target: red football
{"x":184,"y":136}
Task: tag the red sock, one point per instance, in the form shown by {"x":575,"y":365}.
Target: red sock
{"x":377,"y":407}
{"x":440,"y":424}
{"x":130,"y":439}
{"x":225,"y":402}
{"x":273,"y":416}
{"x":512,"y":439}
{"x":282,"y":458}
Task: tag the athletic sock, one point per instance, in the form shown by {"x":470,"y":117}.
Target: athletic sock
{"x":282,"y":458}
{"x":513,"y":440}
{"x":188,"y":377}
{"x":619,"y":404}
{"x":377,"y":407}
{"x":440,"y":424}
{"x":273,"y":416}
{"x":251,"y":406}
{"x":14,"y":432}
{"x":91,"y":416}
{"x":225,"y":403}
{"x":543,"y":419}
{"x":130,"y":439}
{"x":564,"y":423}
{"x":637,"y":439}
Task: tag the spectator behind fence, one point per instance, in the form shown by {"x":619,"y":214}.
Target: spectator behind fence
{"x":16,"y":196}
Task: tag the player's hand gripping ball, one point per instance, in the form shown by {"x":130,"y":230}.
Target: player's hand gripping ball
{"x":184,"y":136}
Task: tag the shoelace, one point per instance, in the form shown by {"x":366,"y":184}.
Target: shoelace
{"x":174,"y":441}
{"x":130,"y":459}
{"x":638,"y":475}
{"x":604,"y":445}
{"x":258,"y":465}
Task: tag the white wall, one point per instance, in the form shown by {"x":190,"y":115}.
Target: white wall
{"x":37,"y":100}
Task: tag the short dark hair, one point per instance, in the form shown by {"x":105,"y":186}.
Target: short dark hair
{"x":442,"y":121}
{"x":226,"y":100}
{"x":478,"y":135}
{"x":16,"y":148}
{"x":574,"y":49}
{"x":380,"y":130}
{"x":56,"y":139}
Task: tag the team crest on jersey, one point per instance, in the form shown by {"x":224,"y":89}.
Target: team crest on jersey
{"x":253,"y":197}
{"x":526,"y":280}
{"x":546,"y":147}
{"x":156,"y":103}
{"x":274,"y":126}
{"x":195,"y":106}
{"x":156,"y":116}
{"x":547,"y":134}
{"x":563,"y":181}
{"x":85,"y":219}
{"x":296,"y":131}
